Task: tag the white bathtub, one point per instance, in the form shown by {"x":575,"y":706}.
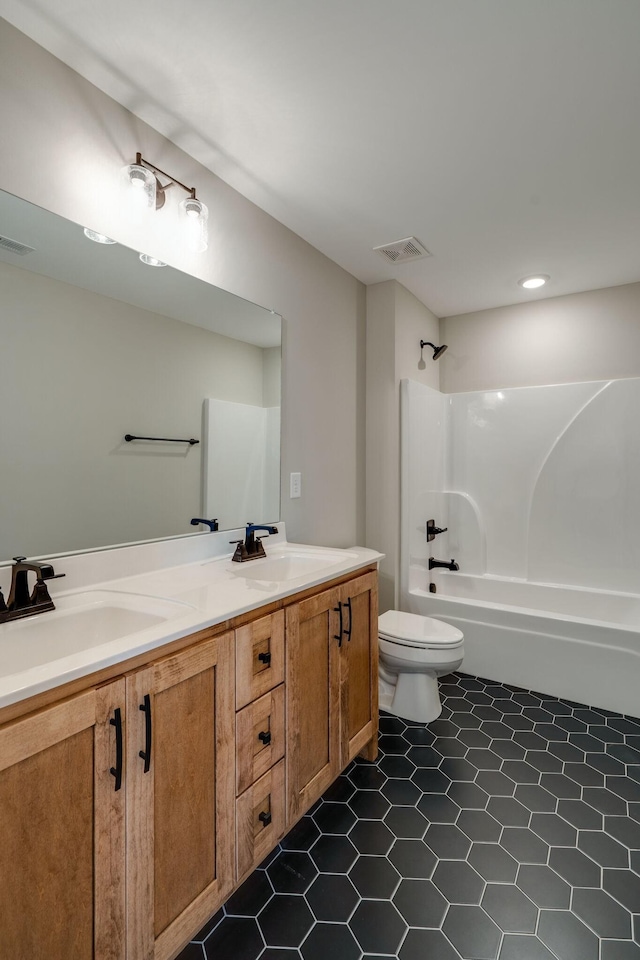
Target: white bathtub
{"x":575,"y":643}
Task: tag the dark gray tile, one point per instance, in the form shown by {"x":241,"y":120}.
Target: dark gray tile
{"x":371,"y":836}
{"x":302,"y":836}
{"x":624,"y":886}
{"x":400,"y":768}
{"x":604,"y":800}
{"x":619,"y":950}
{"x":496,"y":783}
{"x":510,"y":908}
{"x":543,"y":761}
{"x":579,"y":814}
{"x":479,"y":825}
{"x":472,"y":932}
{"x":330,"y":939}
{"x":567,"y":936}
{"x":484,"y":759}
{"x":193,"y":951}
{"x":624,"y":829}
{"x":447,"y":841}
{"x":284,"y":922}
{"x":413,"y":859}
{"x":574,"y":867}
{"x":520,"y":771}
{"x":374,"y":877}
{"x":390,"y":724}
{"x":334,"y":818}
{"x":602,"y":848}
{"x":509,"y":749}
{"x":438,"y":808}
{"x":552,"y":828}
{"x":449,"y":746}
{"x":419,"y":736}
{"x":509,"y":812}
{"x":468,"y":795}
{"x":367,"y":777}
{"x":341,"y":789}
{"x":401,"y":792}
{"x":420,"y":903}
{"x":605,"y":764}
{"x":474,"y":738}
{"x":406,"y":822}
{"x":567,"y":752}
{"x":425,"y":757}
{"x":431,"y":781}
{"x":458,"y":881}
{"x":423,"y":944}
{"x":535,"y":798}
{"x":583,"y":774}
{"x":626,"y":787}
{"x":560,"y":786}
{"x":392,"y":744}
{"x":370,"y":805}
{"x":544,"y":887}
{"x":493,"y":862}
{"x":457,"y":768}
{"x":235,"y":939}
{"x":377,"y":925}
{"x":524,"y":845}
{"x":334,"y":854}
{"x":332,"y":897}
{"x":519,"y":947}
{"x":251,"y":897}
{"x":600,"y":912}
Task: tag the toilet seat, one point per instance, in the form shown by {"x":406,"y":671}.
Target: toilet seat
{"x":411,"y":630}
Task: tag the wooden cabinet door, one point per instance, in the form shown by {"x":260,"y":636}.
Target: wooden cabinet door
{"x":313,"y":699}
{"x":62,"y":882}
{"x":181,"y":795}
{"x":359,"y":668}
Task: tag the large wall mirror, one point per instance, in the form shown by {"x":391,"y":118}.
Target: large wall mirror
{"x":95,"y":345}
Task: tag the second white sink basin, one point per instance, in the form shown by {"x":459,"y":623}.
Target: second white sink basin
{"x":79,"y":622}
{"x":292,"y":564}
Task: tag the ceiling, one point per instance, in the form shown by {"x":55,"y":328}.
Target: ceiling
{"x":502,"y":134}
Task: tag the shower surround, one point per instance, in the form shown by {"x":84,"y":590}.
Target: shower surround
{"x":538,"y":487}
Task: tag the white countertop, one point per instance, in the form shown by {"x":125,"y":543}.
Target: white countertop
{"x":205,"y":592}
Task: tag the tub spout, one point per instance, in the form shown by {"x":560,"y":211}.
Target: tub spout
{"x":447,"y":564}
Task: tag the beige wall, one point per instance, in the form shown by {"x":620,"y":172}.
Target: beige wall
{"x":584,"y":336}
{"x":396,"y":322}
{"x":63,"y":145}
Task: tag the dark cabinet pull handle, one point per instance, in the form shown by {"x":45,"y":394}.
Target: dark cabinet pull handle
{"x":265,"y":737}
{"x":146,"y":753}
{"x":116,"y":721}
{"x":264,"y":658}
{"x":348,"y":629}
{"x":338,"y":635}
{"x":264,"y":818}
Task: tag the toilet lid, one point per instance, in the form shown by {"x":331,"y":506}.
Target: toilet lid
{"x":417,"y":631}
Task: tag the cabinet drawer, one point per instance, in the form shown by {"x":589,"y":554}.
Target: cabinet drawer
{"x":259,"y":738}
{"x":259,"y":658}
{"x":260,"y":819}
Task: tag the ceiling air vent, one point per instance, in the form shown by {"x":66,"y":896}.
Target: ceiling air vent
{"x":402,"y":250}
{"x":14,"y":246}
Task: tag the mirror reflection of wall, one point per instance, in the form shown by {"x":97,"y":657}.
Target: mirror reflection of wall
{"x":79,"y":370}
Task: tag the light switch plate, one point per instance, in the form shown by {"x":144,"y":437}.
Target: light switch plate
{"x":295,"y":485}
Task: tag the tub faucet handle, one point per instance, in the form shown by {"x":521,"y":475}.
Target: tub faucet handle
{"x":433,"y":531}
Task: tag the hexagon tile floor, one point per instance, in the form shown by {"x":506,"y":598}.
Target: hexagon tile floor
{"x":509,"y":828}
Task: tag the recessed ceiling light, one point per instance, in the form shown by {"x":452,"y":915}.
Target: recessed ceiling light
{"x":97,"y":237}
{"x":151,"y":261}
{"x":531,"y":283}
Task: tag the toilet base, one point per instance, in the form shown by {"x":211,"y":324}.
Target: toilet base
{"x":414,"y":696}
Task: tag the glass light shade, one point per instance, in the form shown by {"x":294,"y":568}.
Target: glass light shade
{"x":194,"y":215}
{"x":142,"y":185}
{"x":97,"y":237}
{"x":151,"y":261}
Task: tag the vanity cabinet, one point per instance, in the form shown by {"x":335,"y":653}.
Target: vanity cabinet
{"x":62,"y":831}
{"x":130,"y":811}
{"x":180,"y":795}
{"x":332,"y":689}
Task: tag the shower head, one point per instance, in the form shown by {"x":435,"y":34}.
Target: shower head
{"x":437,"y":351}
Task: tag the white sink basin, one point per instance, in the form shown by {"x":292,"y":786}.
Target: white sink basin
{"x":291,"y":564}
{"x":79,"y":622}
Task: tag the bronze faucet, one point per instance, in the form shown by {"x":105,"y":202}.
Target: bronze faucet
{"x":21,"y":603}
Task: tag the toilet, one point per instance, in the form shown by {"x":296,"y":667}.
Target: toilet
{"x":414,"y":652}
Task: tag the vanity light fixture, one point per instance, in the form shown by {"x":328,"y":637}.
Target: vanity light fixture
{"x":151,"y":261}
{"x":148,"y":191}
{"x":97,"y":237}
{"x":535,"y":281}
